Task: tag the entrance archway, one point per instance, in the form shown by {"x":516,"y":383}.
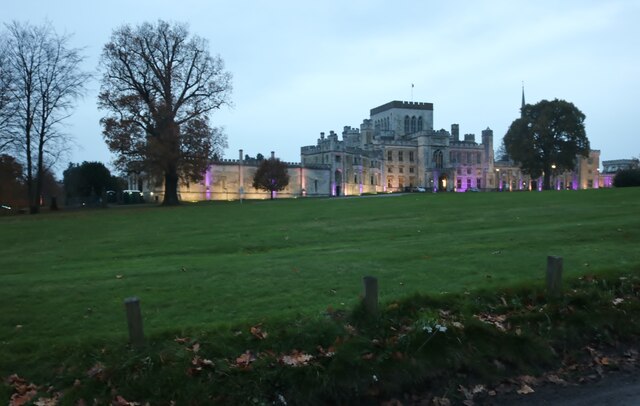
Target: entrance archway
{"x":338,"y":180}
{"x":442,"y":183}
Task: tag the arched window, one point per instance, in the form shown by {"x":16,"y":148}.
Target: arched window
{"x":407,"y":124}
{"x":437,"y":159}
{"x":386,"y":123}
{"x":413,"y":124}
{"x":419,"y":123}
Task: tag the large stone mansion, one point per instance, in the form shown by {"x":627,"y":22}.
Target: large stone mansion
{"x":395,"y":149}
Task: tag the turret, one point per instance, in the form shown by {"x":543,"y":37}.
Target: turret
{"x":487,"y":143}
{"x":455,"y":131}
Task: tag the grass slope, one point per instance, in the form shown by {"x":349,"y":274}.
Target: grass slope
{"x":206,"y":266}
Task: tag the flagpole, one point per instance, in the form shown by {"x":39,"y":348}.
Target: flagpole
{"x":412,"y":93}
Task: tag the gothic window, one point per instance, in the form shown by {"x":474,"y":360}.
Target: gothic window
{"x":389,"y":156}
{"x":407,"y":124}
{"x":479,"y":158}
{"x":419,"y":123}
{"x":400,"y":156}
{"x":437,"y":159}
{"x":414,"y":124}
{"x":410,"y":156}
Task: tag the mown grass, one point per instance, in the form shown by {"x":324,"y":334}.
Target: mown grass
{"x":203,"y":270}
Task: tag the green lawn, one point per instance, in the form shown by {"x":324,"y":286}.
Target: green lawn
{"x":64,"y":276}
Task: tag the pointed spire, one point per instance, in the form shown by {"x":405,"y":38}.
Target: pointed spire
{"x":523,"y":103}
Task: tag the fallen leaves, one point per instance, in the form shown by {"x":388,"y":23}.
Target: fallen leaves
{"x":525,"y":390}
{"x":498,"y":320}
{"x":245,"y":360}
{"x":295,"y":358}
{"x":258,"y":333}
{"x":24,"y":392}
{"x":97,"y":371}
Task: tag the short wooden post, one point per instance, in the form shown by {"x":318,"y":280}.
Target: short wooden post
{"x":371,"y":294}
{"x":554,"y":276}
{"x":134,"y":321}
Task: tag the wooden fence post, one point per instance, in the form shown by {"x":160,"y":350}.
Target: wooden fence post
{"x":554,"y":276}
{"x":134,"y":321}
{"x":371,"y":294}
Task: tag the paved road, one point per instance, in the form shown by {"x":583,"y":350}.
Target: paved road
{"x":620,"y":389}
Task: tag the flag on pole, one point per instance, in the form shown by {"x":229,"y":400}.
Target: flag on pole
{"x":412,"y":85}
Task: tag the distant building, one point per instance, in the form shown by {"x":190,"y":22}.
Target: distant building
{"x":395,"y":149}
{"x":610,"y":168}
{"x":232,"y":179}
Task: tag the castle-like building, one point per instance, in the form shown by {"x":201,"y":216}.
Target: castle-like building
{"x":395,"y":149}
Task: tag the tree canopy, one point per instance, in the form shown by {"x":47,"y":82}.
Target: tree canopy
{"x":89,"y":179}
{"x":627,"y":178}
{"x":159,"y":87}
{"x":11,"y":181}
{"x":272,"y":176}
{"x":548,"y":134}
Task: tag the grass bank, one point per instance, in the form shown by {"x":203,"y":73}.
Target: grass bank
{"x":207,"y":273}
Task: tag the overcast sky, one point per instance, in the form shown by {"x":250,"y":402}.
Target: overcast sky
{"x":300,"y":68}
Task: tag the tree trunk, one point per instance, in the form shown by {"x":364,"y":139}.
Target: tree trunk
{"x":35,"y":208}
{"x":272,"y":192}
{"x":546,"y":183}
{"x":171,"y":188}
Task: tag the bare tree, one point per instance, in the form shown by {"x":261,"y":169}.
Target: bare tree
{"x":6,"y":108}
{"x":159,"y":87}
{"x":45,"y":82}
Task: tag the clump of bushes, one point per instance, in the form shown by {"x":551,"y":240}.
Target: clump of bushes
{"x":627,"y":177}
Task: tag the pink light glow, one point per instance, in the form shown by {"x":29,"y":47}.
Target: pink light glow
{"x":208,"y":177}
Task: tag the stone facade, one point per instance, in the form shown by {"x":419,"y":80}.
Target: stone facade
{"x":395,"y":149}
{"x":231,"y":179}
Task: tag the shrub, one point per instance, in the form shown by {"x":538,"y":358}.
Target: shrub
{"x":627,"y":177}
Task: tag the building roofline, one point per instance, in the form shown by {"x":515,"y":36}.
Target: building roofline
{"x":397,"y":104}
